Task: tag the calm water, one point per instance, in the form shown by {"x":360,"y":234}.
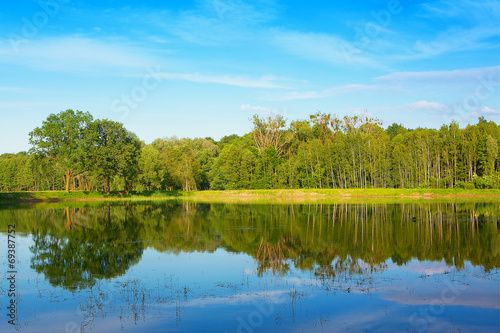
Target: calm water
{"x":254,"y":268}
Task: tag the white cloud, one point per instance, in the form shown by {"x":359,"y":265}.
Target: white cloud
{"x":478,"y":26}
{"x":456,"y":111}
{"x":473,"y":89}
{"x":267,"y":111}
{"x":427,"y":267}
{"x":426,"y":107}
{"x":157,"y":39}
{"x":217,"y":22}
{"x":238,"y":81}
{"x":27,"y":106}
{"x":294,"y":95}
{"x":492,"y":75}
{"x":19,"y":90}
{"x":349,"y":88}
{"x":456,"y":40}
{"x":245,"y":107}
{"x":430,"y":107}
{"x":338,"y":90}
{"x":487,"y":110}
{"x":323,"y":47}
{"x":71,"y":54}
{"x":467,"y":9}
{"x":270,"y":296}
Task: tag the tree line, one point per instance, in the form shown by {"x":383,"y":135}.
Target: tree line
{"x":72,"y":151}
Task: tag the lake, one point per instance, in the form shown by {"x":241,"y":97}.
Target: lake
{"x":191,"y":267}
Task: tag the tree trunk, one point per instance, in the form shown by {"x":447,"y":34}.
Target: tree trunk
{"x":109,"y":214}
{"x":69,"y":223}
{"x":108,"y":187}
{"x":67,"y":176}
{"x":127,"y":186}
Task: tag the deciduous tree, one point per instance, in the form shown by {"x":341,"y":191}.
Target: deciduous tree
{"x":60,"y":138}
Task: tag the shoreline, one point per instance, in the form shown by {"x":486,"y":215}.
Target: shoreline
{"x":230,"y":196}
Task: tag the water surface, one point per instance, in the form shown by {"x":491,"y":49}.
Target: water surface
{"x":187,"y":267}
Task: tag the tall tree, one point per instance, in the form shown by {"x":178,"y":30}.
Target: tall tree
{"x":60,"y":138}
{"x":112,"y":150}
{"x":128,"y":166}
{"x":152,"y":170}
{"x":268,"y":132}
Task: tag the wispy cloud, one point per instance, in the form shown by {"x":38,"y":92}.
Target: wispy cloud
{"x":248,"y":107}
{"x":25,"y":106}
{"x":19,"y":90}
{"x":427,"y":268}
{"x":465,"y":9}
{"x":265,"y":111}
{"x":456,"y":40}
{"x":231,"y":80}
{"x":429,"y":107}
{"x":492,"y":74}
{"x":349,"y":88}
{"x":326,"y":48}
{"x":446,"y":112}
{"x":216,"y":22}
{"x":487,"y":110}
{"x":423,"y":106}
{"x":294,"y":95}
{"x":270,"y":296}
{"x":469,"y":26}
{"x":73,"y":54}
{"x":338,"y":90}
{"x":484,"y":111}
{"x":466,"y":296}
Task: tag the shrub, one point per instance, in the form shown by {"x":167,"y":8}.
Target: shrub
{"x":465,"y":185}
{"x":483,"y":182}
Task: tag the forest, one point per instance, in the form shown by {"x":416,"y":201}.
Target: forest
{"x":73,"y":151}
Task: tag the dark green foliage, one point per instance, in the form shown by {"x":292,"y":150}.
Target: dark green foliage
{"x":111,"y":151}
{"x":61,"y":139}
{"x":395,"y":129}
{"x":227,"y":140}
{"x":87,"y":152}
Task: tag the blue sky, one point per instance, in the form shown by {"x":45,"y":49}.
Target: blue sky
{"x":203,"y":68}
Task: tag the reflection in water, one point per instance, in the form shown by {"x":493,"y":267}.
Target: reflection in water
{"x":83,"y":252}
{"x":104,"y":242}
{"x":327,"y":239}
{"x":273,"y":256}
{"x":336,"y":247}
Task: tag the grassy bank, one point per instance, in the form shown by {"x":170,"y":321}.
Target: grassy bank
{"x":253,"y":195}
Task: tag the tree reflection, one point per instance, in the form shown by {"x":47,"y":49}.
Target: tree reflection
{"x":273,"y":257}
{"x":76,"y":257}
{"x":75,"y":246}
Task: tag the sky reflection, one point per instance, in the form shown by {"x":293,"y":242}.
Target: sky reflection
{"x":182,"y":292}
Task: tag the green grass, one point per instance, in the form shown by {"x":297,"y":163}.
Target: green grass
{"x":295,"y":195}
{"x":85,"y":195}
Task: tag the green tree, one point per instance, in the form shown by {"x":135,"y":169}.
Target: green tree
{"x":395,"y":129}
{"x":151,"y":168}
{"x":129,"y":162}
{"x":60,"y":138}
{"x":269,"y":132}
{"x":113,"y":151}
